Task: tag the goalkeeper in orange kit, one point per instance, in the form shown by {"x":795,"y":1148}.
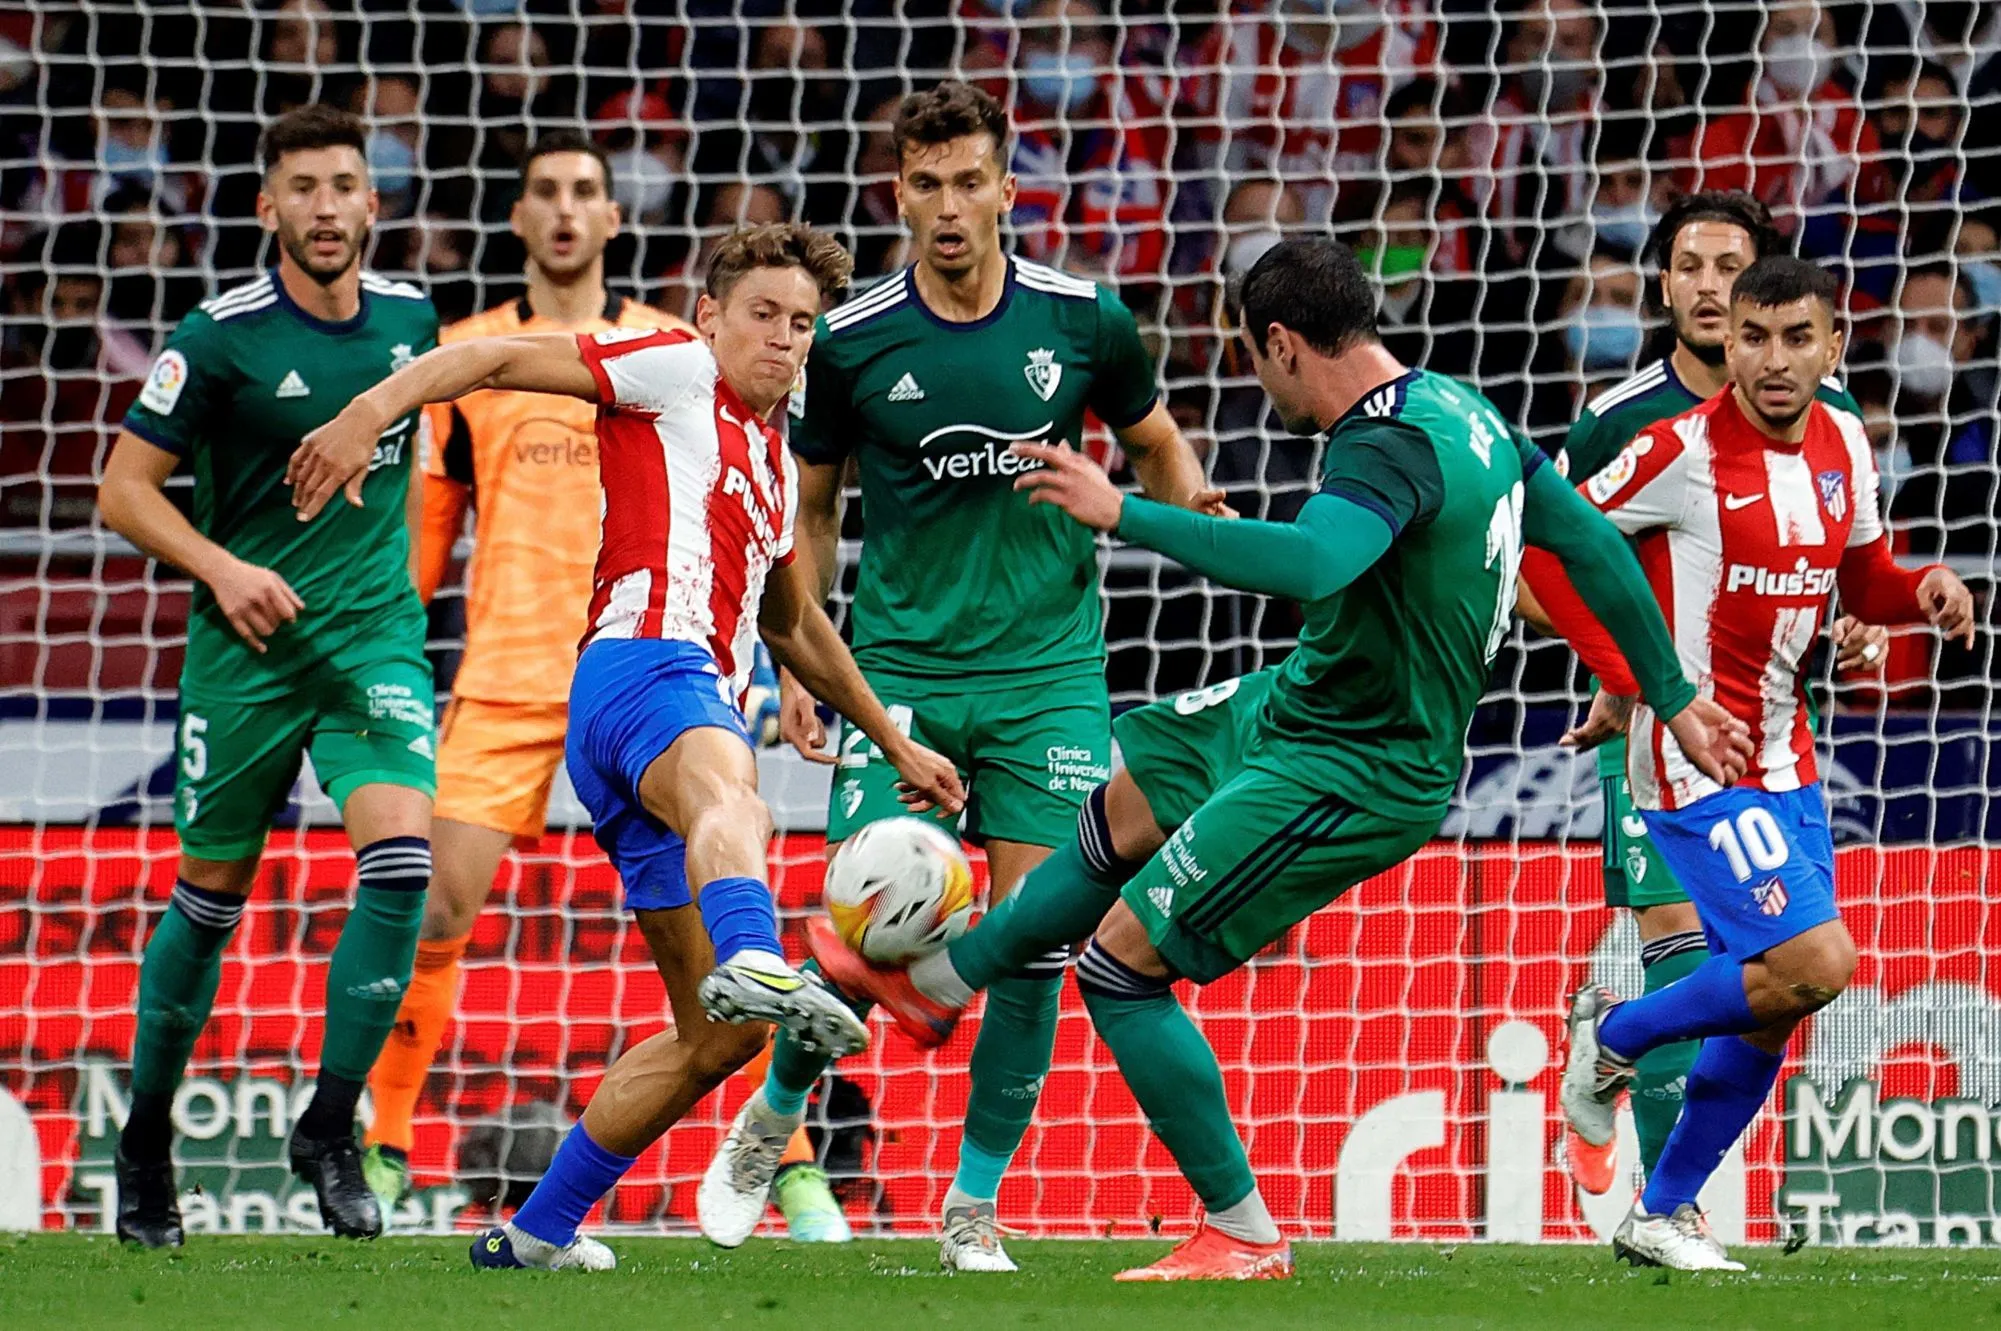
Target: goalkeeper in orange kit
{"x":526,"y":464}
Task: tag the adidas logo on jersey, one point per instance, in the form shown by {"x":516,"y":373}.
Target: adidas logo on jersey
{"x":1162,"y":898}
{"x":421,"y":746}
{"x":906,"y":390}
{"x":384,"y":989}
{"x":292,"y":386}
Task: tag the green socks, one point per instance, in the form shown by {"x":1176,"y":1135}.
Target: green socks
{"x":1010,"y":1059}
{"x":1058,"y":904}
{"x":378,"y":946}
{"x":1172,"y":1073}
{"x":177,"y":983}
{"x":1663,"y":1072}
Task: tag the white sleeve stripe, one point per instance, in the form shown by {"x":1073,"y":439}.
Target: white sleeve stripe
{"x":1651,"y":377}
{"x":242,"y":307}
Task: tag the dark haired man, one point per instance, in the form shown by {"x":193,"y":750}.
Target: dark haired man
{"x":1702,"y":242}
{"x":696,"y":564}
{"x":1749,"y":509}
{"x":1245,"y":807}
{"x":302,"y":640}
{"x":526,"y":463}
{"x":976,"y":617}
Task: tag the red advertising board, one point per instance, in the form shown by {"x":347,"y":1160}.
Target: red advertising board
{"x":1387,"y":1015}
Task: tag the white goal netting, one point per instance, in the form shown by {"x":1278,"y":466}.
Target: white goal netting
{"x":1392,"y":1062}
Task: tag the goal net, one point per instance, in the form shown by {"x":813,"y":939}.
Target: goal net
{"x":1391,"y":1063}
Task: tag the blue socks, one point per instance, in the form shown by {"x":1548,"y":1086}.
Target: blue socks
{"x":1728,"y":1084}
{"x":740,"y":917}
{"x":1709,"y":1000}
{"x":581,"y":1173}
{"x":980,"y":1171}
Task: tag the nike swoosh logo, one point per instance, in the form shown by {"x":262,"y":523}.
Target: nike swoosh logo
{"x":783,"y":984}
{"x":1735,"y":502}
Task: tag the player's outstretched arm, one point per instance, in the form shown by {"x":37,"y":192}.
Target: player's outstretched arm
{"x":255,"y":600}
{"x":336,"y":455}
{"x":1167,"y":467}
{"x":1330,"y":544}
{"x":804,"y":641}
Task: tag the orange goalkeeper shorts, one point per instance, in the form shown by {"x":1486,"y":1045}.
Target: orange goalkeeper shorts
{"x":497,"y":761}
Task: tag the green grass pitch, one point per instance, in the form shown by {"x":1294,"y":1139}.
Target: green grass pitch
{"x":72,"y":1282}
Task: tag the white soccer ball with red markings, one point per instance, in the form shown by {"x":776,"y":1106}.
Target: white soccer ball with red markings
{"x":899,"y":889}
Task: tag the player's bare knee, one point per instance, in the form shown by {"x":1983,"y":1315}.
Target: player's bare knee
{"x":1135,"y":833}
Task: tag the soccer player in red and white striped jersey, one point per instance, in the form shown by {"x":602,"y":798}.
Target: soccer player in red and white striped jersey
{"x":696,"y":561}
{"x":1749,"y":511}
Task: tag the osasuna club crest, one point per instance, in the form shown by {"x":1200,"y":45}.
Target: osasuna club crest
{"x":1043,"y":372}
{"x":1834,"y":493}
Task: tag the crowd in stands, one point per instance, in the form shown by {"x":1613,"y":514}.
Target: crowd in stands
{"x":1499,"y":164}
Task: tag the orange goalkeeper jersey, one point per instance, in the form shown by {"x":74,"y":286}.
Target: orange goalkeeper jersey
{"x":527,"y":465}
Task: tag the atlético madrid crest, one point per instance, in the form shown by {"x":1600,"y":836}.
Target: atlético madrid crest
{"x":1834,"y":493}
{"x":1043,"y":372}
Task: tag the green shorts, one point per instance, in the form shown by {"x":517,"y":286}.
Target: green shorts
{"x":1258,"y":843}
{"x":364,"y":715}
{"x":1028,"y":754}
{"x":1635,"y":875}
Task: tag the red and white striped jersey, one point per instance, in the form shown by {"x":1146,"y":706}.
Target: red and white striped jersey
{"x":1741,"y":537}
{"x":699,"y":497}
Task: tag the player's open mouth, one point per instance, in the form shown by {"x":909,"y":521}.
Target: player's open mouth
{"x":949,"y":244}
{"x":327,"y":242}
{"x":563,"y":241}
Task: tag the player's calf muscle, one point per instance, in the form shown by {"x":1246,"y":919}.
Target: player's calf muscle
{"x":466,"y":858}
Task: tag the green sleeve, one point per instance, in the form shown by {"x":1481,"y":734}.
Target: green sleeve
{"x":1591,"y":443}
{"x":1387,"y":467}
{"x":184,"y":390}
{"x":820,"y":415}
{"x":1124,"y":386}
{"x":1329,"y":545}
{"x":1835,"y":394}
{"x":1601,"y":565}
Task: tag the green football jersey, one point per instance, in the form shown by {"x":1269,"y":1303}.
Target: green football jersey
{"x":244,"y":377}
{"x":1613,"y":418}
{"x":1381,"y":689}
{"x":959,"y":574}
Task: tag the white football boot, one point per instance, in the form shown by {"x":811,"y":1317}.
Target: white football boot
{"x":1593,"y":1076}
{"x":737,"y":1184}
{"x":971,"y":1241}
{"x":737,"y":992}
{"x":1679,"y":1242}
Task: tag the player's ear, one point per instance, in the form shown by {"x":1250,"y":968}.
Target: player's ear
{"x":267,"y":211}
{"x":1008,"y":187}
{"x":1837,"y":340}
{"x":707,"y":310}
{"x":896,"y":188}
{"x":617,"y":220}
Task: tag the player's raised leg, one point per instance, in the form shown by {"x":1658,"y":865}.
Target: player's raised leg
{"x":646,"y":1092}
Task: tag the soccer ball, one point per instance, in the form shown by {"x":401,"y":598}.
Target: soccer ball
{"x":898,"y":889}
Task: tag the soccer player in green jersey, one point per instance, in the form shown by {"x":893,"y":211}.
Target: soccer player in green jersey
{"x":1241,"y":810}
{"x":977,"y":617}
{"x":1702,"y":242}
{"x":304,"y":638}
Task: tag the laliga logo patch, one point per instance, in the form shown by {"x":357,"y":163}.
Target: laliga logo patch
{"x":164,"y":384}
{"x":1043,"y":372}
{"x":1834,"y":493}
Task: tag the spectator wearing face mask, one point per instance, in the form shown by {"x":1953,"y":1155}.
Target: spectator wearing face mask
{"x":1977,"y":249}
{"x":1625,"y":198}
{"x":1090,"y":151}
{"x":1604,"y":332}
{"x":1800,"y":144}
{"x":1425,"y":317}
{"x":1297,"y":89}
{"x":391,"y":108}
{"x":1942,"y":400}
{"x":648,"y":147}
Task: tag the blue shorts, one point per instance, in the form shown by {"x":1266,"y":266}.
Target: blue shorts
{"x":632,"y":698}
{"x":1758,"y":865}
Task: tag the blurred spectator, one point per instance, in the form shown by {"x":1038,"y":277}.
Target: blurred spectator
{"x":1538,"y":141}
{"x":879,"y":240}
{"x":731,"y":206}
{"x":66,"y":378}
{"x":395,"y":142}
{"x":1604,"y":331}
{"x":1426,"y":316}
{"x":1626,"y":195}
{"x":438,"y":252}
{"x":648,"y":154}
{"x":152,"y":282}
{"x":301,"y":51}
{"x":1943,"y":404}
{"x":1429,"y":141}
{"x":132,"y":145}
{"x":1090,"y":150}
{"x":1801,"y":142}
{"x":1300,"y":92}
{"x":795,"y":137}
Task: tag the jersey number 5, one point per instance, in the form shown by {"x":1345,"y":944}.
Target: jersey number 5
{"x":1504,"y":556}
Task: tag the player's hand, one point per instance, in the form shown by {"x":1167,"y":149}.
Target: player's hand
{"x":929,"y":779}
{"x":1072,"y":482}
{"x":1715,"y":741}
{"x":1212,"y":502}
{"x":1607,"y":719}
{"x":333,"y":457}
{"x":1947,"y":604}
{"x":799,"y":722}
{"x":1858,"y":646}
{"x":255,"y":601}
